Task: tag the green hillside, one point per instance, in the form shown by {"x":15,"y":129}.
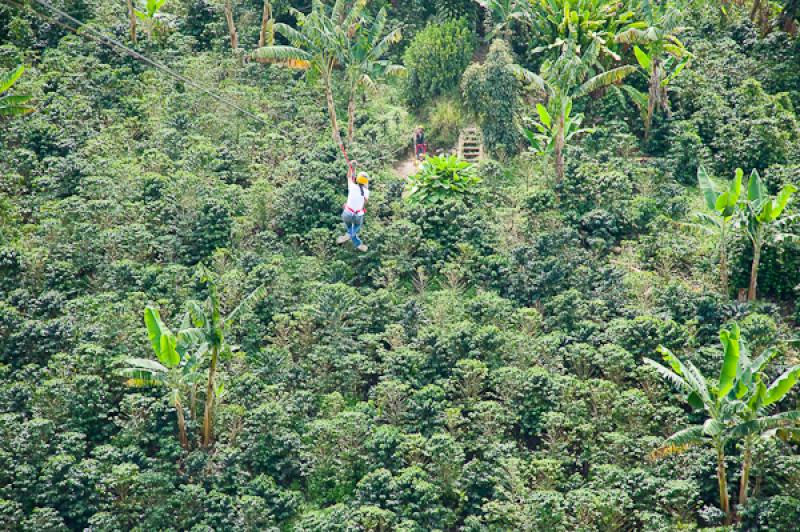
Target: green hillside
{"x":577,"y":311}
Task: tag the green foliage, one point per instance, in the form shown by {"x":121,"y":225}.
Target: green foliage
{"x":585,"y":22}
{"x":477,"y":369}
{"x":13,"y":105}
{"x":441,"y":178}
{"x":735,"y":405}
{"x":445,"y":121}
{"x":762,"y":218}
{"x":436,"y":59}
{"x":491,"y":92}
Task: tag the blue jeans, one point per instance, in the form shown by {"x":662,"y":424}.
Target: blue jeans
{"x":353,"y":223}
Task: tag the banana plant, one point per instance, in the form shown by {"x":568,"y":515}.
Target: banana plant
{"x":210,"y":325}
{"x":661,"y":59}
{"x":763,"y":216}
{"x":710,"y":397}
{"x":554,"y":134}
{"x":365,"y":65}
{"x":318,"y":46}
{"x":758,"y":398}
{"x":266,"y":36}
{"x":584,"y":22}
{"x":13,"y":105}
{"x":148,"y":15}
{"x":736,"y":405}
{"x":177,"y":368}
{"x":724,"y":206}
{"x":572,"y":76}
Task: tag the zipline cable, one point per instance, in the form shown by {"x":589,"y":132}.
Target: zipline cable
{"x":118,"y":46}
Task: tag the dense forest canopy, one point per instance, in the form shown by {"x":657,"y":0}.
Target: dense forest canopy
{"x":575,"y":306}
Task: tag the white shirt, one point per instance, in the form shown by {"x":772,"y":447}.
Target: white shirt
{"x":355,"y":201}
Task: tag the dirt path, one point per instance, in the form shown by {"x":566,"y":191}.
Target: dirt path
{"x":405,"y":167}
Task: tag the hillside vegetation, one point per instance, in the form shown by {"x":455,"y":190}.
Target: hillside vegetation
{"x":592,"y":329}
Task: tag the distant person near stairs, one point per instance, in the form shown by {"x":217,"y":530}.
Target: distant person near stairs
{"x":420,"y":148}
{"x":355,"y":207}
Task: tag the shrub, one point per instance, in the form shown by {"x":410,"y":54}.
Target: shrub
{"x":445,"y":122}
{"x":436,"y":59}
{"x":758,"y":131}
{"x":441,"y":178}
{"x":759,"y":329}
{"x":686,"y":153}
{"x":491,"y":92}
{"x":641,"y":336}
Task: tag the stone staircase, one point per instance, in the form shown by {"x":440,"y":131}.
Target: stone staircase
{"x":470,"y":145}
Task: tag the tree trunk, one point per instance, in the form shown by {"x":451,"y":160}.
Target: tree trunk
{"x":747,"y":461}
{"x":337,"y":137}
{"x":132,"y":21}
{"x":755,"y":9}
{"x":181,"y":424}
{"x":231,"y":25}
{"x":723,"y":485}
{"x":351,"y":117}
{"x":788,"y":16}
{"x":723,"y":260}
{"x":653,"y":97}
{"x":558,"y":150}
{"x":208,"y":416}
{"x":752,"y":292}
{"x":193,"y":402}
{"x":266,"y":17}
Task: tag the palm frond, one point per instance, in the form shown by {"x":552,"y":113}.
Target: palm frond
{"x":248,"y":303}
{"x":9,"y":78}
{"x":759,"y":426}
{"x":609,"y":77}
{"x":669,"y":375}
{"x":280,"y":54}
{"x":680,"y":442}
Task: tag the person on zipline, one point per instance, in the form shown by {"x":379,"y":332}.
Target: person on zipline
{"x":419,"y":142}
{"x":355,"y":207}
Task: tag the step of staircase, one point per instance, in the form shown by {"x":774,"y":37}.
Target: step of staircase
{"x":470,"y":145}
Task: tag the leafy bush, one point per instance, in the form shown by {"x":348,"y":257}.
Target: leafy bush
{"x":445,"y":122}
{"x":491,"y":92}
{"x":686,"y":153}
{"x":440,"y":178}
{"x":760,"y":130}
{"x":436,"y":59}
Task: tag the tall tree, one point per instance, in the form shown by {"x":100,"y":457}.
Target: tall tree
{"x":366,"y":66}
{"x":763,"y":218}
{"x":724,"y":206}
{"x":662,"y":58}
{"x":17,"y":104}
{"x":572,"y":76}
{"x":231,"y":23}
{"x":318,"y":47}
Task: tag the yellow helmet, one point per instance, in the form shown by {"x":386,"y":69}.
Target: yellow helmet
{"x":362,"y":178}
